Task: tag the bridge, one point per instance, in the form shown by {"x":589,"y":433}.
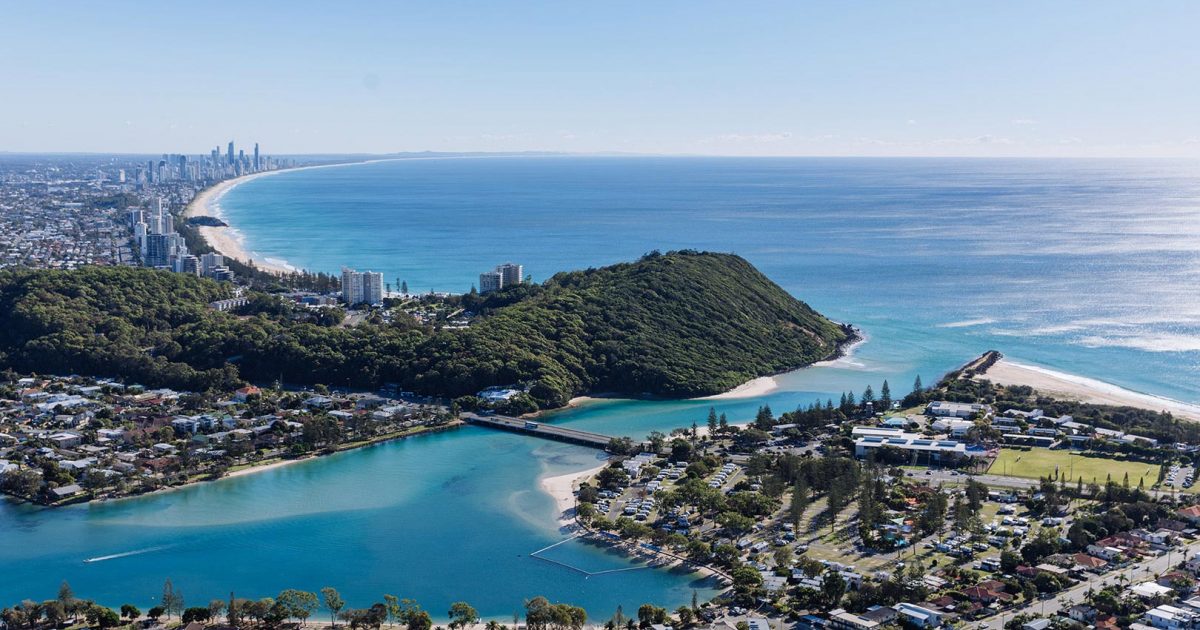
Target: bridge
{"x":542,"y":430}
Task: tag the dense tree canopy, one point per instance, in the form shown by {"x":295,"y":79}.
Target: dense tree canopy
{"x":678,"y":324}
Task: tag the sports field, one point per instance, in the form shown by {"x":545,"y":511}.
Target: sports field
{"x":1070,"y":466}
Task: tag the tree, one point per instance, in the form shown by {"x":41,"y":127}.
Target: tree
{"x":735,"y":523}
{"x":404,"y":287}
{"x":724,"y":422}
{"x":649,"y":614}
{"x":540,"y":614}
{"x":799,"y":502}
{"x":1009,"y":561}
{"x":155,"y":612}
{"x":66,"y":596}
{"x":130,"y":612}
{"x":196,"y":613}
{"x":419,"y":620}
{"x":685,"y":616}
{"x":233,"y":611}
{"x":917,"y":386}
{"x":54,"y":613}
{"x":333,"y":602}
{"x":764,"y":419}
{"x":215,"y":608}
{"x":833,"y":587}
{"x":885,"y":396}
{"x":298,"y":604}
{"x":103,"y":617}
{"x":462,"y":615}
{"x":713,"y":421}
{"x":172,"y":600}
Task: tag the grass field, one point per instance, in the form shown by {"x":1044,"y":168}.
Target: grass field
{"x":1040,"y":462}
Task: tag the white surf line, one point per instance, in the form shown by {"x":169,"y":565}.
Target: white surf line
{"x":127,"y":554}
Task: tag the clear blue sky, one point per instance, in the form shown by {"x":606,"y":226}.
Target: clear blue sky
{"x":788,"y":78}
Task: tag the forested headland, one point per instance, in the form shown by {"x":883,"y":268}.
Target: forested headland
{"x":675,"y":325}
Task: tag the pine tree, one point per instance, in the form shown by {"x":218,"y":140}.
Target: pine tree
{"x":799,"y":501}
{"x":713,"y":422}
{"x":724,"y":422}
{"x":868,"y":395}
{"x":764,"y":419}
{"x":885,"y":396}
{"x":404,"y":290}
{"x":917,"y":387}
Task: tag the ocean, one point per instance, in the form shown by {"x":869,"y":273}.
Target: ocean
{"x":1087,"y":267}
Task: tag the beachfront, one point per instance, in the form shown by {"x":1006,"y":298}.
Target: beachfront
{"x":1083,"y":389}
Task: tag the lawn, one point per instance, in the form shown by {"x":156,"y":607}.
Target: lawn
{"x":1041,"y":462}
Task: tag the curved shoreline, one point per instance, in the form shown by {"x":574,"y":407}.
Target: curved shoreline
{"x":1085,"y":389}
{"x":231,"y":243}
{"x":561,"y":488}
{"x":227,"y":240}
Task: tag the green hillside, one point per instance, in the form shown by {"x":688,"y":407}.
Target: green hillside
{"x":675,"y":325}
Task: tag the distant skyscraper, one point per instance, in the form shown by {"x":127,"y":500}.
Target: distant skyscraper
{"x":512,"y":272}
{"x":160,"y":250}
{"x":361,"y":287}
{"x":229,"y":156}
{"x":490,"y":281}
{"x":257,"y":164}
{"x":210,"y":262}
{"x":506,"y":275}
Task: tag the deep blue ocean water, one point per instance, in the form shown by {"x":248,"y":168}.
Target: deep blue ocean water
{"x":1089,"y":267}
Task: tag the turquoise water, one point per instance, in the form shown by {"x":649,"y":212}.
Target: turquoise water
{"x":1089,"y":266}
{"x":436,"y":518}
{"x":1085,"y":266}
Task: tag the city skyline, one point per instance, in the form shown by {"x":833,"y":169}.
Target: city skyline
{"x":1023,"y":78}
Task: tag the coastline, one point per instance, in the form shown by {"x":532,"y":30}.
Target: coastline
{"x":263,"y":467}
{"x":226,"y":240}
{"x":562,"y":489}
{"x":752,"y":388}
{"x":1081,"y":388}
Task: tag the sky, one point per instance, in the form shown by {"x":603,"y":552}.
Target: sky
{"x":1013,"y":78}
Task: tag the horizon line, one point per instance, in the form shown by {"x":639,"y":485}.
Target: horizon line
{"x":549,"y":153}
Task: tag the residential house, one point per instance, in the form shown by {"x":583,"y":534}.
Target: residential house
{"x":918,"y":615}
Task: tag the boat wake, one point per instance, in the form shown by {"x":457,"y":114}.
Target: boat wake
{"x":126,"y":554}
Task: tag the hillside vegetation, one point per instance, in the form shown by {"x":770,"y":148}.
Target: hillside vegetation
{"x":675,"y":325}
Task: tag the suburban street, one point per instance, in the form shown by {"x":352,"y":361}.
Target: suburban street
{"x":1139,"y":572}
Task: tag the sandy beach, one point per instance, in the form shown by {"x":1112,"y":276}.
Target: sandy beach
{"x":562,"y":488}
{"x":226,"y":240}
{"x":1072,"y":387}
{"x":265,"y":467}
{"x":760,"y":386}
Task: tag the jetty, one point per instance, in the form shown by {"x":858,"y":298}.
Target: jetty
{"x":540,"y":429}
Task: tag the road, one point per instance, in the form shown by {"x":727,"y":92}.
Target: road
{"x":997,"y":481}
{"x":1139,"y":572}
